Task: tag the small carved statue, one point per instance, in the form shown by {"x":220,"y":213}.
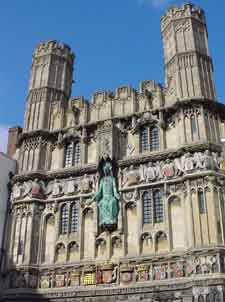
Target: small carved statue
{"x":178,"y":167}
{"x":17,"y":191}
{"x":208,"y":160}
{"x":70,"y":189}
{"x":56,"y":189}
{"x":189,"y":162}
{"x":94,"y":182}
{"x":158,"y":170}
{"x":198,"y":160}
{"x":141,"y":173}
{"x":85,"y":184}
{"x":215,"y":160}
{"x":106,"y":147}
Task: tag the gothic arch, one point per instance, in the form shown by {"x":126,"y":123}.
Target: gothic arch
{"x":73,"y":251}
{"x":63,"y":218}
{"x":60,"y":253}
{"x":146,"y":243}
{"x":161,"y":242}
{"x":150,"y":137}
{"x":177,"y":222}
{"x":116,"y":246}
{"x":101,"y":247}
{"x":88,"y":234}
{"x":132,"y":229}
{"x":48,"y":240}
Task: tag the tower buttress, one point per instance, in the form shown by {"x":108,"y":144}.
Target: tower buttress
{"x":188,"y":64}
{"x":50,"y":82}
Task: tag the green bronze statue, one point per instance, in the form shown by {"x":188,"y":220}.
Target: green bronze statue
{"x":107,"y":200}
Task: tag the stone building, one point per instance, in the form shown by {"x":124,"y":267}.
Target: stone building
{"x":164,"y":148}
{"x":7,"y":168}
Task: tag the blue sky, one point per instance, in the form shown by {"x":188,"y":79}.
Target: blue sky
{"x":116,"y":42}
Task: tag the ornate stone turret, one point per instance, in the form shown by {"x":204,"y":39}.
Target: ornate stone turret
{"x":188,"y":65}
{"x":50,"y":84}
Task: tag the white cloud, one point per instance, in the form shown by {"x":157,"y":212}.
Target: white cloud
{"x":3,"y":138}
{"x":155,"y":3}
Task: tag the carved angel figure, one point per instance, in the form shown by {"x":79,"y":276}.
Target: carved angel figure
{"x":57,"y":188}
{"x":198,"y":160}
{"x":130,"y":176}
{"x":17,"y":191}
{"x":178,"y":167}
{"x":70,"y":186}
{"x":216,"y":160}
{"x":94,"y":182}
{"x":84,"y":186}
{"x":54,"y":188}
{"x":189,"y":162}
{"x":158,"y":170}
{"x":208,"y":161}
{"x":141,"y":173}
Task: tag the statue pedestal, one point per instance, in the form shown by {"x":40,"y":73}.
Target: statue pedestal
{"x":108,"y":227}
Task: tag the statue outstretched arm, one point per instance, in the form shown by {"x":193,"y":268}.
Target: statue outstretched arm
{"x":98,"y":196}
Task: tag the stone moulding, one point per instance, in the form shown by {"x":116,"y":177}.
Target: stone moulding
{"x":90,"y":168}
{"x":177,"y":180}
{"x":166,"y":291}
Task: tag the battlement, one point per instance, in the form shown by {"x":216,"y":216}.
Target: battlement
{"x":149,"y":86}
{"x":125,"y":92}
{"x":186,"y":10}
{"x":54,"y":47}
{"x":101,"y":96}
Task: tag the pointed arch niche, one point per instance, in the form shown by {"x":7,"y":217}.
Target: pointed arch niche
{"x":177,"y":223}
{"x":132,"y":228}
{"x":48,"y":247}
{"x":88,"y":234}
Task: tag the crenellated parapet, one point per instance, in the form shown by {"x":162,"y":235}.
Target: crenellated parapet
{"x":185,"y":11}
{"x":56,"y":48}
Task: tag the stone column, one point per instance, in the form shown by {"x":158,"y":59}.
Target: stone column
{"x":221,"y":208}
{"x":162,"y":133}
{"x":202,"y":126}
{"x":28,"y":242}
{"x":61,"y":156}
{"x":190,"y":226}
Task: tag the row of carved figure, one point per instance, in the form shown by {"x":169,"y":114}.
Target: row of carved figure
{"x":167,"y":169}
{"x":109,"y":273}
{"x":55,"y":188}
{"x":145,"y":173}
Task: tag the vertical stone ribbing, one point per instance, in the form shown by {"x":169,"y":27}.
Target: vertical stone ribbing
{"x":188,"y":65}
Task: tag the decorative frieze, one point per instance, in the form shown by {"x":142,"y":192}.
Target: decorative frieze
{"x":137,"y":271}
{"x":188,"y":163}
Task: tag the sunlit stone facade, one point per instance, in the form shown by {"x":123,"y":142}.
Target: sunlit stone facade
{"x":165,"y":147}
